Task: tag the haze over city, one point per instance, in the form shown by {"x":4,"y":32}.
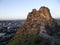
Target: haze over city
{"x":18,"y":9}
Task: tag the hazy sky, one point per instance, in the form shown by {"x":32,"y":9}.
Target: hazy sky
{"x":18,"y":9}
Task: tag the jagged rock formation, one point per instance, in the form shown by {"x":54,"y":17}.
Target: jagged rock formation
{"x":38,"y":22}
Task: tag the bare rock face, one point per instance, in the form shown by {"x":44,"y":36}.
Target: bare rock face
{"x":37,"y":22}
{"x":46,"y":12}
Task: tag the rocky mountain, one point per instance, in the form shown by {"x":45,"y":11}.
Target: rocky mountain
{"x":38,"y":22}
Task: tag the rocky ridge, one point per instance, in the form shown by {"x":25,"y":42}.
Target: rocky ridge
{"x":37,"y":21}
{"x":40,"y":23}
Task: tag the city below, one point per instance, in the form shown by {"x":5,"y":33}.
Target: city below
{"x":8,"y":29}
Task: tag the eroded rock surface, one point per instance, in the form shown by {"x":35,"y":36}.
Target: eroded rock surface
{"x":38,"y":21}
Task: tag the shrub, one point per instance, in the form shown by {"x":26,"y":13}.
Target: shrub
{"x":15,"y":42}
{"x":36,"y":39}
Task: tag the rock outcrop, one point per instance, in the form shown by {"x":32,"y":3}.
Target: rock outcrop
{"x":37,"y":22}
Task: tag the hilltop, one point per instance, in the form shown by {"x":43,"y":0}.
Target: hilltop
{"x":39,"y":26}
